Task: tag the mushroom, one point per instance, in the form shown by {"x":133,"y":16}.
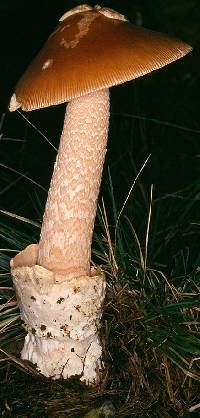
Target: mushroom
{"x":91,"y":50}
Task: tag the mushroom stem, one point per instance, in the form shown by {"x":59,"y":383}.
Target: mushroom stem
{"x":66,"y":235}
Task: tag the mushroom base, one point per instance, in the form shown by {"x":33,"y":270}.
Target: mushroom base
{"x":62,"y":316}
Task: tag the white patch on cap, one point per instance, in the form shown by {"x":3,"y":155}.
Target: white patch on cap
{"x":14,"y":104}
{"x":78,"y":9}
{"x":83,"y":29}
{"x":111,"y":14}
{"x":47,"y":64}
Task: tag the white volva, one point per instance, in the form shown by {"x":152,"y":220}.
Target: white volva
{"x":62,"y":316}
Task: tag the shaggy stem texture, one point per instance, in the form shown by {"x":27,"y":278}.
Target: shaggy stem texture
{"x":66,"y":235}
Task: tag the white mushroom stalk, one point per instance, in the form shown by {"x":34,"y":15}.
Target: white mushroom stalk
{"x":60,"y":296}
{"x":66,"y":235}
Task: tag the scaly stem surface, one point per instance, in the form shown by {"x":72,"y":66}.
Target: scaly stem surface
{"x":66,"y":235}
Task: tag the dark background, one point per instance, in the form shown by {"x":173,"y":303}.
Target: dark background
{"x":157,"y":114}
{"x":170,"y":95}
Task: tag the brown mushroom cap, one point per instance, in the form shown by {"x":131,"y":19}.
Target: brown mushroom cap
{"x":92,"y":49}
